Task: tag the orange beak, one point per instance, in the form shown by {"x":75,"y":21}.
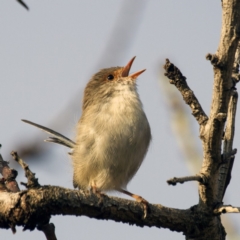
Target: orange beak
{"x":127,"y":68}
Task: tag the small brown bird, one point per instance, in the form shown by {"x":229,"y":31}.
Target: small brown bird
{"x":112,"y":135}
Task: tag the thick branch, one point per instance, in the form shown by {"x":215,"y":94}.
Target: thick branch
{"x":213,"y":130}
{"x":35,"y":206}
{"x":176,"y":78}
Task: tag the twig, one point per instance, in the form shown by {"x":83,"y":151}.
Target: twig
{"x":49,"y":231}
{"x":23,"y":4}
{"x":13,"y":228}
{"x":214,"y":60}
{"x":32,"y":181}
{"x":176,"y":78}
{"x":226,"y":209}
{"x":174,"y":181}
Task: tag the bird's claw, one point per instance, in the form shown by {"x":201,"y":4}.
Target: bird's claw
{"x":144,"y":204}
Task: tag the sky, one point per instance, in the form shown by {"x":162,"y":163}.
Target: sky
{"x":48,"y":54}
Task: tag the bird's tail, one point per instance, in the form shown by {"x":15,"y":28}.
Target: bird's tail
{"x":57,"y":137}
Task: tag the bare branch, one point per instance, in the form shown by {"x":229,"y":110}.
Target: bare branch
{"x":176,"y":78}
{"x":35,"y":206}
{"x":174,"y":181}
{"x":32,"y":181}
{"x":212,"y":132}
{"x":48,"y":229}
{"x":23,"y":4}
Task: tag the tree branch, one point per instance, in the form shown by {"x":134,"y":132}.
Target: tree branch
{"x":176,"y":78}
{"x":213,"y":131}
{"x":49,"y":228}
{"x":174,"y":181}
{"x":32,"y":181}
{"x":35,"y":206}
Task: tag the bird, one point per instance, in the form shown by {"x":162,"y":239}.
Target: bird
{"x":112,"y":135}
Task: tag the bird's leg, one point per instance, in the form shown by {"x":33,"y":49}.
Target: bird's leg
{"x":96,"y":191}
{"x":138,"y":199}
{"x":93,"y":188}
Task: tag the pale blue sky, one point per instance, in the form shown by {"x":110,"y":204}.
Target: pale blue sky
{"x":49,"y":53}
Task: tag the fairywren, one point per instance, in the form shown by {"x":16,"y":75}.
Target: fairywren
{"x":112,"y":135}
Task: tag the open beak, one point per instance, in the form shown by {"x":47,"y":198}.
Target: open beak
{"x":127,"y":68}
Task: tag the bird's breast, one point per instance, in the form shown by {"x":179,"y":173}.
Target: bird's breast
{"x":112,"y":140}
{"x":117,"y":119}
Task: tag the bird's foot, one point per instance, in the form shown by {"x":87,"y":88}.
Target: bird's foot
{"x":144,"y":203}
{"x":138,"y":199}
{"x":98,"y":193}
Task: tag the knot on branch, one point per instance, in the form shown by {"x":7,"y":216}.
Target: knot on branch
{"x":237,"y":32}
{"x":173,"y":73}
{"x":204,"y":179}
{"x":221,"y":117}
{"x":12,"y":175}
{"x":214,"y":60}
{"x":235,"y":79}
{"x":236,"y":66}
{"x":226,"y":157}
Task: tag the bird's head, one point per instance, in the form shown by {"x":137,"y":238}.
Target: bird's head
{"x":107,"y":81}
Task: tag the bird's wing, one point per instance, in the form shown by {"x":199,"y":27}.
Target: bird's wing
{"x":58,"y":138}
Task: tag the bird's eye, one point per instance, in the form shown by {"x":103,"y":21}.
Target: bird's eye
{"x":110,"y":77}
